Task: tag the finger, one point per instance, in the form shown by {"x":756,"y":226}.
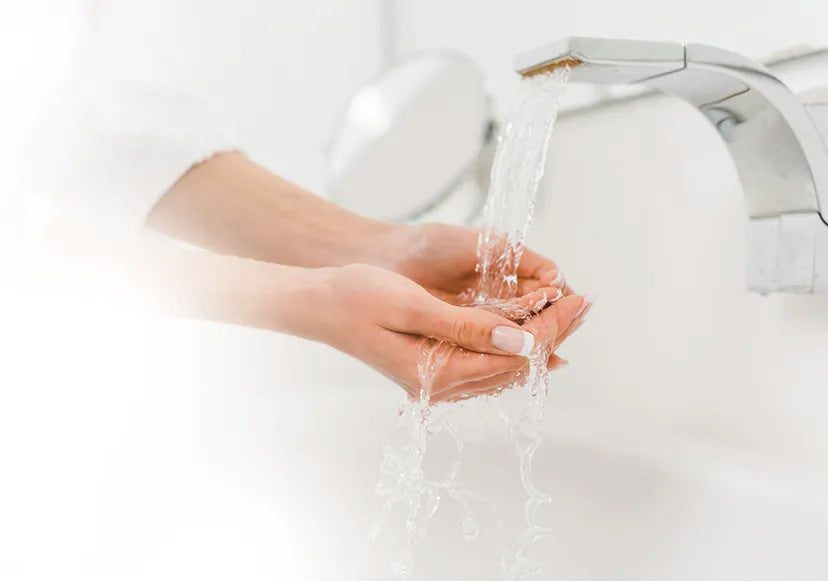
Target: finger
{"x":492,"y":385}
{"x":540,"y":299}
{"x":550,"y":323}
{"x":464,"y":366}
{"x":521,"y":308}
{"x":467,"y":367}
{"x":570,"y":308}
{"x":484,"y":387}
{"x":400,"y":356}
{"x":536,"y":271}
{"x":475,"y":329}
{"x":555,"y":362}
{"x":575,"y":323}
{"x":535,"y":266}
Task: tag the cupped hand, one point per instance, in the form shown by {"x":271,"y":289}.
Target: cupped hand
{"x":384,"y":318}
{"x":443,"y":259}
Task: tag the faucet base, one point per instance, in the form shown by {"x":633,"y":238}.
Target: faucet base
{"x":788,"y":253}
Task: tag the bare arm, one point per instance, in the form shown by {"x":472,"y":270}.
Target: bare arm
{"x":373,"y":314}
{"x":231,"y":205}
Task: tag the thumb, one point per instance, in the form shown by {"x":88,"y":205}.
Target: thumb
{"x":472,"y":328}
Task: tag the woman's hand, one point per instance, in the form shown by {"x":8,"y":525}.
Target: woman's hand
{"x":455,"y":381}
{"x":383,"y":319}
{"x":230,"y":205}
{"x":378,"y":316}
{"x":443,"y":259}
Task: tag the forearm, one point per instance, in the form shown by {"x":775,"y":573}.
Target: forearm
{"x":160,"y":278}
{"x":213,"y":287}
{"x":230,"y":205}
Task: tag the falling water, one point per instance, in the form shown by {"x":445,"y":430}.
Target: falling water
{"x":517,"y":172}
{"x":516,"y":175}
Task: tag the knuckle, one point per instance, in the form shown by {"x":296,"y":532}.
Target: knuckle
{"x":460,"y":330}
{"x":465,"y":332}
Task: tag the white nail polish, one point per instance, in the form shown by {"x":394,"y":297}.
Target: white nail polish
{"x":528,"y":344}
{"x":513,"y":340}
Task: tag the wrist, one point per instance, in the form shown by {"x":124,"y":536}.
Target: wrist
{"x":380,"y":245}
{"x":280,"y":298}
{"x":241,"y":291}
{"x":363,"y":240}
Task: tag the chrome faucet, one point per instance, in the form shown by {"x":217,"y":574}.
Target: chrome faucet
{"x":776,"y":140}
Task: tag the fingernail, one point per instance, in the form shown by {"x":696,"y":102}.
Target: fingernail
{"x":513,"y":340}
{"x":558,"y":281}
{"x":541,"y":303}
{"x":588,"y":299}
{"x":558,"y":296}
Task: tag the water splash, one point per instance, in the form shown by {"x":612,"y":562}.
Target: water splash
{"x":402,"y":478}
{"x":517,"y":171}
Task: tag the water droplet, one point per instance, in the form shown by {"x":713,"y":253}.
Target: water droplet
{"x":470,"y":528}
{"x":402,"y":567}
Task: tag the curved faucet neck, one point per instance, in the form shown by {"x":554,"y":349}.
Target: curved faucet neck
{"x":773,"y":137}
{"x":778,"y":151}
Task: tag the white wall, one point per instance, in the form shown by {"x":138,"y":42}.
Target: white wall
{"x":279,"y":72}
{"x":493,"y":32}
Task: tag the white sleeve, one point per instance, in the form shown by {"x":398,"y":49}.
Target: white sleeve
{"x":110,"y":152}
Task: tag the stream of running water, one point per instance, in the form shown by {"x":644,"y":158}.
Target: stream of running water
{"x":515,"y":178}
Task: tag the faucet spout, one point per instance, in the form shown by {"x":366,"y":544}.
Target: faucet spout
{"x":773,"y":137}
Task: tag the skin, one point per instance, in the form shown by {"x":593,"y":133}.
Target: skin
{"x":374,"y":314}
{"x":377,"y":291}
{"x":386,"y":325}
{"x":443,"y":259}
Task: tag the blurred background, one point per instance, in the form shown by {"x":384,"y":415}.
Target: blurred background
{"x":688,"y":438}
